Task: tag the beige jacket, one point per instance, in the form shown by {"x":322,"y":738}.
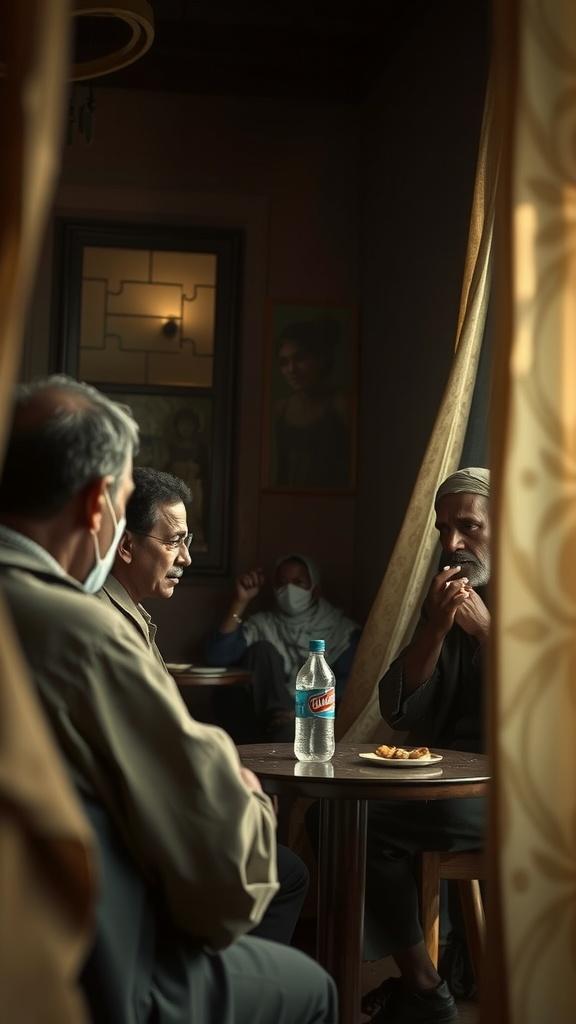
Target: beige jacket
{"x":172,"y":785}
{"x":47,"y":878}
{"x":116,"y":596}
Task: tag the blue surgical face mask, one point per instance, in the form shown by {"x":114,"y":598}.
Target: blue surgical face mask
{"x":97,"y":576}
{"x":292,"y":600}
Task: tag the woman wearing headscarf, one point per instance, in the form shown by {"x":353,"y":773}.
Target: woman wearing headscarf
{"x":274,"y":644}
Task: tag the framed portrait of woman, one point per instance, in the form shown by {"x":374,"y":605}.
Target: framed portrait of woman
{"x":309,"y":435}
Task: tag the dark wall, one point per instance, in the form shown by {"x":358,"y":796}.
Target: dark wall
{"x":421,"y":131}
{"x":285,"y":174}
{"x":358,"y":205}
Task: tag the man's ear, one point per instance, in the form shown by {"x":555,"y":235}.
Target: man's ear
{"x":93,"y":503}
{"x":124,"y":550}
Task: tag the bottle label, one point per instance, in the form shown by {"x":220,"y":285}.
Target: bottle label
{"x":315,"y":703}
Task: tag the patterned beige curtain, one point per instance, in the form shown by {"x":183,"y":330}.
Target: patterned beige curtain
{"x":46,"y":872}
{"x":395,"y":609}
{"x":532,"y":920}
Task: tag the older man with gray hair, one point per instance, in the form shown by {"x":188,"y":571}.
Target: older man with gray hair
{"x":434,"y":690}
{"x":186,"y":835}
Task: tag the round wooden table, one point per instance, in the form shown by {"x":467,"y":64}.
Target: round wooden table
{"x":230,"y":677}
{"x":344,"y":787}
{"x":217,"y":699}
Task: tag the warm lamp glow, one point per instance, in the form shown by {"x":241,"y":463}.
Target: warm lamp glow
{"x":169,"y":328}
{"x":148,"y":316}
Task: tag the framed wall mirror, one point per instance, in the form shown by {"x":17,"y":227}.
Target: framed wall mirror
{"x":149,"y":315}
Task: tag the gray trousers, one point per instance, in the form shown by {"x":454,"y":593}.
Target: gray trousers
{"x":144,"y":970}
{"x":397,"y":832}
{"x":252,"y":982}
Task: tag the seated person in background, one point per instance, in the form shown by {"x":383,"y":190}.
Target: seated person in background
{"x":151,"y":557}
{"x":274,"y":644}
{"x":434,"y":690}
{"x":194,"y":824}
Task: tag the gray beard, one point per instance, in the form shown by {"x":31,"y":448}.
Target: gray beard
{"x":478,"y":574}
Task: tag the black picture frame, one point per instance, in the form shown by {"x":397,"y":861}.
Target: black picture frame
{"x":211,"y":553}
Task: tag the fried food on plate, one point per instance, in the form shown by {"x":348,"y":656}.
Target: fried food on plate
{"x":399,"y":754}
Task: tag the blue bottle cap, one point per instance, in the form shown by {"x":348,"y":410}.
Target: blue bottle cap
{"x":317,"y":646}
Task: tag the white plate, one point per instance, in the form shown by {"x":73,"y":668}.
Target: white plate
{"x":398,"y":762}
{"x":174,"y":666}
{"x":206,"y":670}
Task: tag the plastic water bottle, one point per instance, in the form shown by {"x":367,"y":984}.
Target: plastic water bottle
{"x":315,"y":702}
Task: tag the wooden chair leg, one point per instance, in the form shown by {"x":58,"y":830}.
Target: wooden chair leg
{"x":474,"y":922}
{"x":430,"y":903}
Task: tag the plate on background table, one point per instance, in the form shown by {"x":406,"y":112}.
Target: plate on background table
{"x":401,"y":762}
{"x":207,"y":670}
{"x":175,"y":666}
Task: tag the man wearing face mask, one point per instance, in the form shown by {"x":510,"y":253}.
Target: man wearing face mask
{"x":185,"y":834}
{"x":274,"y":644}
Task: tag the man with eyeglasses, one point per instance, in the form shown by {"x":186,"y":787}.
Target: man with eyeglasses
{"x":150,"y":559}
{"x":154,"y":550}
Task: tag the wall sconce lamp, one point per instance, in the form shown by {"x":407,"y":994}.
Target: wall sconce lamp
{"x":169,"y":328}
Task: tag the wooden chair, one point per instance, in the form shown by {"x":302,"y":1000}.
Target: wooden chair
{"x":466,"y":868}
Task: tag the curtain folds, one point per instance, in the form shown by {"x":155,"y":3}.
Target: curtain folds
{"x":46,"y":866}
{"x":531,"y":970}
{"x":396,"y":606}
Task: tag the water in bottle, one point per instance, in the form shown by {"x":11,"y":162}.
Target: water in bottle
{"x":315,"y":703}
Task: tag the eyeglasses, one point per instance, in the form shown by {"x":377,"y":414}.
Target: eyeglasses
{"x":170,"y":545}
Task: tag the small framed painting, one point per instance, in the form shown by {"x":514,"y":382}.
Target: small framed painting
{"x":309,"y":436}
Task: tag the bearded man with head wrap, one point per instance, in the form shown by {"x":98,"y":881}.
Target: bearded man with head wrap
{"x":434,"y":691}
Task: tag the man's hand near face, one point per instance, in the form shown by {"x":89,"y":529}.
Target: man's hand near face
{"x":445,"y":596}
{"x":473,"y":617}
{"x":450,"y":600}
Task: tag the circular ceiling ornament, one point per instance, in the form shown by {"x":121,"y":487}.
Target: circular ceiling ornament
{"x":109,"y":36}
